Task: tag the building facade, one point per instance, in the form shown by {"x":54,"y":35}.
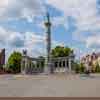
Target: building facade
{"x":91,"y":59}
{"x":2,"y":57}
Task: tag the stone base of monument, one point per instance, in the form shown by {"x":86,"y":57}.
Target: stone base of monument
{"x":23,"y":72}
{"x":71,"y":72}
{"x":48,"y":69}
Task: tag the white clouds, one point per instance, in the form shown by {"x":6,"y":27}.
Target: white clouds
{"x":93,"y":41}
{"x":32,"y":39}
{"x":3,"y":35}
{"x":17,"y":39}
{"x":9,"y":37}
{"x":56,"y":43}
{"x":60,"y":21}
{"x":83,"y":11}
{"x":78,"y":36}
{"x":28,"y":40}
{"x":20,"y":8}
{"x":85,"y":14}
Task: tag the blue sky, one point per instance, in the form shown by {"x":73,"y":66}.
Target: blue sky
{"x":75,"y":23}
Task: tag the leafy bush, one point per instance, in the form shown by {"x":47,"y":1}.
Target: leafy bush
{"x":75,"y":67}
{"x":81,"y":68}
{"x":97,"y":68}
{"x":78,"y":67}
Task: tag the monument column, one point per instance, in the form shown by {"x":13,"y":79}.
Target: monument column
{"x":48,"y":45}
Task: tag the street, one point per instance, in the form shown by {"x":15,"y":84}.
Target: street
{"x":50,"y":85}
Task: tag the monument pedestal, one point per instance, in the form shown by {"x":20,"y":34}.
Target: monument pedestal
{"x":48,"y":68}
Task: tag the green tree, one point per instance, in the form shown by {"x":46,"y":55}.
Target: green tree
{"x":82,"y":68}
{"x":97,"y":68}
{"x":60,"y":51}
{"x":14,"y":62}
{"x":76,"y":67}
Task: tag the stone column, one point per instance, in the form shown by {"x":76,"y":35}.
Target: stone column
{"x":24,"y":62}
{"x":48,"y":44}
{"x":22,"y":65}
{"x":25,"y":65}
{"x":69,"y":64}
{"x":66,"y":63}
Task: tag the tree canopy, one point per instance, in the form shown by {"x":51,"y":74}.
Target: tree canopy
{"x":60,"y":51}
{"x":14,"y":62}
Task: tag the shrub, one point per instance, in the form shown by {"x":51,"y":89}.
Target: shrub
{"x":81,"y":68}
{"x":97,"y":68}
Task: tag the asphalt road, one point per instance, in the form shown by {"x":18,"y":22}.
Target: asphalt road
{"x":50,"y":85}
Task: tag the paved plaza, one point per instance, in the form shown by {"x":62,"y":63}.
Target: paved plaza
{"x":50,"y":85}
